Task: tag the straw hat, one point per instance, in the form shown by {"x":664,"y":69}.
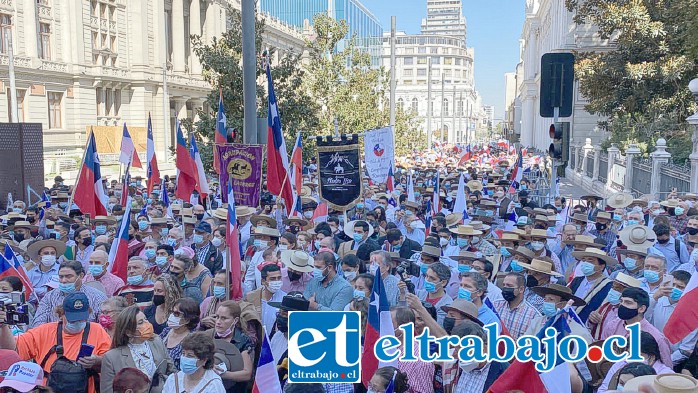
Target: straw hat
{"x":538,"y":233}
{"x":158,"y":221}
{"x":261,"y":217}
{"x":293,"y":220}
{"x":297,"y":260}
{"x":595,"y":253}
{"x":664,"y":383}
{"x":670,"y":203}
{"x":474,"y":185}
{"x":508,"y":236}
{"x":640,"y":250}
{"x":488,"y":203}
{"x":689,"y":197}
{"x":241,"y":211}
{"x":306,"y":191}
{"x":619,"y":200}
{"x":187,"y":211}
{"x":453,"y":219}
{"x":468,"y":309}
{"x":106,"y":219}
{"x":349,"y":229}
{"x":604,"y":216}
{"x":479,"y":226}
{"x":560,"y":290}
{"x":221,"y":213}
{"x":628,"y":281}
{"x":580,"y":217}
{"x":540,"y":266}
{"x":34,"y":248}
{"x":189,"y":220}
{"x":583,"y":240}
{"x":411,"y":205}
{"x":432,"y":251}
{"x":591,"y":197}
{"x":637,"y":235}
{"x":469,"y":256}
{"x":23,"y":224}
{"x":524,"y":252}
{"x":266,"y":231}
{"x":465,"y":230}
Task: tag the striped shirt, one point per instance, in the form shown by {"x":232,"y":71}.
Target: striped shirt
{"x":110,"y":282}
{"x":46,"y":312}
{"x":473,"y":381}
{"x":140,"y":295}
{"x":518,"y":319}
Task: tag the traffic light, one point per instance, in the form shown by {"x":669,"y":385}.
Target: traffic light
{"x":559,"y":133}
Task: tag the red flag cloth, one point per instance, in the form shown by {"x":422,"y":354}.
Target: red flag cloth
{"x":519,"y":377}
{"x":152,"y":171}
{"x":89,"y":193}
{"x":684,"y":319}
{"x":221,"y":137}
{"x":278,"y":174}
{"x":118,"y":254}
{"x":186,"y":178}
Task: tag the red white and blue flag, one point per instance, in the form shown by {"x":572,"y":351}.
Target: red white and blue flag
{"x":390,"y":187}
{"x":221,"y":137}
{"x":89,"y":193}
{"x":232,"y":240}
{"x":297,"y":163}
{"x":153,"y":173}
{"x":380,"y":324}
{"x":166,"y":200}
{"x":266,"y":379}
{"x":201,"y":181}
{"x":320,"y":214}
{"x":516,"y":175}
{"x":13,"y":261}
{"x":128,"y":155}
{"x":278,"y":182}
{"x":460,"y":205}
{"x":684,"y":319}
{"x":118,"y":254}
{"x":186,"y":168}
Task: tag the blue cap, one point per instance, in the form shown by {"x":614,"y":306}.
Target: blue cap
{"x":77,"y":307}
{"x":203,"y":226}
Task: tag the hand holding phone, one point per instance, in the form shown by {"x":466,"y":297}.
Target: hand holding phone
{"x":85,"y":351}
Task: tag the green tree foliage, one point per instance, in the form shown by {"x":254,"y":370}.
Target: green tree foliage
{"x":640,"y":84}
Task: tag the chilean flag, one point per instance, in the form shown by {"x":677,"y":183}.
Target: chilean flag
{"x":390,"y":188}
{"x":232,"y":240}
{"x":19,"y":271}
{"x":320,"y":214}
{"x":118,"y":255}
{"x":89,"y":193}
{"x":297,"y":162}
{"x":221,"y":137}
{"x":266,"y":379}
{"x":278,"y":172}
{"x":516,"y":175}
{"x":684,"y":319}
{"x":129,"y":156}
{"x":380,"y":323}
{"x":460,"y":205}
{"x":187,"y":172}
{"x":201,"y":181}
{"x":153,"y":171}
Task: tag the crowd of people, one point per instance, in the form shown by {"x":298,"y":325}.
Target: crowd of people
{"x":511,"y":257}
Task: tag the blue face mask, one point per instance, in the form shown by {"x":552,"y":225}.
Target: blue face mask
{"x":675,"y":294}
{"x":101,"y":229}
{"x":587,"y":268}
{"x":464,"y":268}
{"x":149,"y":201}
{"x":172,"y":242}
{"x":161,"y":260}
{"x":135,"y":280}
{"x":96,"y":270}
{"x":429,"y":286}
{"x":67,"y":288}
{"x":149,"y":253}
{"x":142,"y":225}
{"x":317,"y":244}
{"x":75,"y":327}
{"x":522,"y":187}
{"x":515,"y":267}
{"x":219,"y":291}
{"x":423,"y":268}
{"x":617,"y":217}
{"x":613,"y":297}
{"x":197,"y":238}
{"x":462,"y":242}
{"x":651,"y":277}
{"x":549,"y":309}
{"x":164,"y":232}
{"x":319,"y":273}
{"x":633,"y":222}
{"x":630,"y":263}
{"x":396,"y":247}
{"x":188,"y":365}
{"x":678,"y":211}
{"x":359,"y":294}
{"x":464,"y":294}
{"x":504,"y":251}
{"x":360,"y":206}
{"x":17,"y":209}
{"x":358,"y":237}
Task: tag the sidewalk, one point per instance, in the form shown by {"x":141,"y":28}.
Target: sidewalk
{"x":568,"y":188}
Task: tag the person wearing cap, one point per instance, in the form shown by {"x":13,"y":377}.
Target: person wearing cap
{"x":206,"y":253}
{"x":293,"y":301}
{"x":139,"y":288}
{"x":538,"y":242}
{"x":98,"y":271}
{"x":46,"y":256}
{"x":327,"y":291}
{"x":603,"y":321}
{"x":473,"y":288}
{"x":23,"y":377}
{"x":593,"y":284}
{"x":74,"y":317}
{"x":671,"y":247}
{"x":524,"y":198}
{"x":604,"y":231}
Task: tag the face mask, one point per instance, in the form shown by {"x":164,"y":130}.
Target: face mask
{"x":161,"y":261}
{"x":626,"y":313}
{"x":449,"y":324}
{"x":63,"y":205}
{"x":261,"y":244}
{"x":158,"y":300}
{"x":464,"y":268}
{"x":282,"y":323}
{"x":467,"y":366}
{"x":537,"y":245}
{"x":146,"y":331}
{"x":359,"y":294}
{"x":360,"y":206}
{"x":587,"y":268}
{"x":96,"y":270}
{"x":443,"y":242}
{"x":579,"y":228}
{"x":522,"y":187}
{"x":508,"y":294}
{"x":318,"y":273}
{"x":17,"y":209}
{"x":549,"y":309}
{"x":106,"y":321}
{"x":679,"y":211}
{"x":200,"y":216}
{"x":476,"y":239}
{"x":293,"y":276}
{"x":675,"y":294}
{"x":657,"y":212}
{"x":149,"y":253}
{"x":198,"y":239}
{"x":358,"y":237}
{"x":429,"y":286}
{"x":135,"y":280}
{"x":219,"y":291}
{"x":188,"y":365}
{"x":617,"y":217}
{"x":423,"y":268}
{"x":630,"y":263}
{"x":462,"y":243}
{"x":174,"y":322}
{"x":110,"y":206}
{"x":164,"y":232}
{"x":283,"y":247}
{"x":101,"y":229}
{"x":515,"y":267}
{"x":349,"y":276}
{"x":67,"y":288}
{"x":651,"y":276}
{"x":613,"y":297}
{"x":600,"y":226}
{"x":692,"y":231}
{"x":465,"y":294}
{"x":274,"y":286}
{"x":75,"y":327}
{"x":48,"y":260}
{"x":531,"y":281}
{"x":308,"y":215}
{"x":504,"y":251}
{"x":87,"y":242}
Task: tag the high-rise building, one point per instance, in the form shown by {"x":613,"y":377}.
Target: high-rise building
{"x":445,"y":17}
{"x":363,"y":25}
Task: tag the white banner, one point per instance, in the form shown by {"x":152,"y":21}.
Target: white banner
{"x":379,"y":153}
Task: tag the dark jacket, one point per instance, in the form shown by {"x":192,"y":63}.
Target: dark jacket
{"x":408,"y":248}
{"x":213,"y":260}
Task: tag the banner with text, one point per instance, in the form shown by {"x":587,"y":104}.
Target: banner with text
{"x":379,"y":153}
{"x":241,"y":166}
{"x":339,"y":167}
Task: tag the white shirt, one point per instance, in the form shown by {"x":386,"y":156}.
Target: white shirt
{"x":494,"y":293}
{"x":245,"y":233}
{"x":269,"y":312}
{"x":279,"y":345}
{"x":253,"y":277}
{"x":216,"y":385}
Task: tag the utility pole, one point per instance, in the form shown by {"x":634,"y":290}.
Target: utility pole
{"x":442,"y":108}
{"x":14,"y":114}
{"x":429,"y":141}
{"x":165,"y":113}
{"x":393,"y":71}
{"x":454,"y":113}
{"x":460,"y":119}
{"x":249,"y":72}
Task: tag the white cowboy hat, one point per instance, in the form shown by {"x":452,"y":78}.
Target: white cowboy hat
{"x":297,"y":260}
{"x":595,"y":253}
{"x":637,"y":235}
{"x":619,"y":200}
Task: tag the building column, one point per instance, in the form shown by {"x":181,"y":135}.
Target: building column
{"x":613,"y":152}
{"x":659,"y":157}
{"x":630,"y":154}
{"x":587,"y":149}
{"x":195,"y":29}
{"x":597,"y":159}
{"x":30,"y":30}
{"x":178,"y":35}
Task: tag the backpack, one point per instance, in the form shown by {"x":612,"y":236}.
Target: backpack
{"x":67,"y":375}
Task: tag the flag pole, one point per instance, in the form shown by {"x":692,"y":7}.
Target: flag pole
{"x":229,"y":270}
{"x":82,"y":164}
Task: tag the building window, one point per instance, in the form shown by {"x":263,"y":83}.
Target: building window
{"x":457,"y":61}
{"x":20,"y":104}
{"x":447,"y":73}
{"x":448,"y":60}
{"x":117,"y":102}
{"x":434,"y":50}
{"x":409,"y":51}
{"x":108,"y":102}
{"x":45,"y":41}
{"x":408,"y":61}
{"x":445,"y":107}
{"x":422,"y":60}
{"x":436,"y":60}
{"x":93,"y":6}
{"x":54,"y":109}
{"x":460,"y":108}
{"x":415,"y":105}
{"x":421,"y":72}
{"x":421,"y":49}
{"x":400,"y":104}
{"x":5,"y":32}
{"x":407,"y":73}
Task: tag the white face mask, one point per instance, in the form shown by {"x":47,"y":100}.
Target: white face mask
{"x":283,"y":247}
{"x":443,"y":242}
{"x":308,"y":215}
{"x":467,"y":366}
{"x":216,"y":241}
{"x":274,"y":286}
{"x":174,"y":322}
{"x":48,"y":260}
{"x":537,"y":246}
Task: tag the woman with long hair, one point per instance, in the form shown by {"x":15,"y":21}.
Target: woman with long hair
{"x":134,"y":344}
{"x":166,"y":292}
{"x":180,"y":323}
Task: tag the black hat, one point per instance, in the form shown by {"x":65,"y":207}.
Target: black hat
{"x":523,"y":194}
{"x":203,"y":226}
{"x":294,"y":301}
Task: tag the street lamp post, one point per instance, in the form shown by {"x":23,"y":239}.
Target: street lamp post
{"x":693,"y":120}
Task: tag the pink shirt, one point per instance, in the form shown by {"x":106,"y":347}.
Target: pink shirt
{"x":645,"y":326}
{"x":110,"y":282}
{"x":289,"y":286}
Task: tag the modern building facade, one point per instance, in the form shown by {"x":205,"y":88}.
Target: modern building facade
{"x":549,"y":27}
{"x":363,"y":25}
{"x":444,"y":17}
{"x":89,"y":63}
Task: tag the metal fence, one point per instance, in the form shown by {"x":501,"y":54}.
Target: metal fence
{"x":673,"y":175}
{"x":590,"y":165}
{"x":642,"y":176}
{"x":573,"y":159}
{"x":603,"y":167}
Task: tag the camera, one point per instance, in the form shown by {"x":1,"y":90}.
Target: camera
{"x":404,"y":270}
{"x":16,"y":311}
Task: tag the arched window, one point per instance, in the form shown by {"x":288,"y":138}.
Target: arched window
{"x":400,"y":104}
{"x":415,"y":105}
{"x":460,"y":108}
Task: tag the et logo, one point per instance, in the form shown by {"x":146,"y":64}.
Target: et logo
{"x":324,"y":346}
